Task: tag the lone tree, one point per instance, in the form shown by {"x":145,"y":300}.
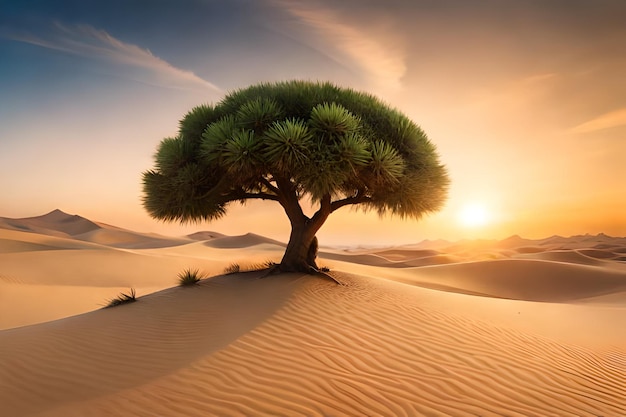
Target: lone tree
{"x":294,"y":141}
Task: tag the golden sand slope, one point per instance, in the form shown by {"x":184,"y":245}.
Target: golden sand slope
{"x":297,"y":345}
{"x":46,"y":277}
{"x":514,"y":328}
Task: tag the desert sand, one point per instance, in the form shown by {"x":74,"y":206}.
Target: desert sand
{"x":479,"y":328}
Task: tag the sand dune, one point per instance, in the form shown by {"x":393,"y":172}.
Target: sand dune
{"x":19,"y":241}
{"x":530,"y":249}
{"x":406,"y":254}
{"x":597,"y":253}
{"x":204,"y":235}
{"x":60,"y":224}
{"x":48,"y":277}
{"x":520,"y":280}
{"x":129,"y":240}
{"x":432,"y":329}
{"x":380,"y":260}
{"x":243,"y":241}
{"x":297,"y":345}
{"x":567,"y":256}
{"x":54,"y":223}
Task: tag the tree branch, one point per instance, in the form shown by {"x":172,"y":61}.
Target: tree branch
{"x":261,"y":196}
{"x":288,"y":198}
{"x":357,"y":199}
{"x":269,"y":186}
{"x":242,"y":194}
{"x":322,"y":214}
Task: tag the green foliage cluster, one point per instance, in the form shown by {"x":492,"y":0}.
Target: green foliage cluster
{"x":304,"y":138}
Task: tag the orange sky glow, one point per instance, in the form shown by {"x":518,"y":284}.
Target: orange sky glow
{"x":526,"y":104}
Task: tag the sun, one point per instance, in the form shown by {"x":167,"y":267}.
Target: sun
{"x":473,"y":215}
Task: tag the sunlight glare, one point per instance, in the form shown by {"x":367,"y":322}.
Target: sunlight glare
{"x":473,"y":215}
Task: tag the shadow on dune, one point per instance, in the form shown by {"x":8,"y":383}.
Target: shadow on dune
{"x":134,"y":343}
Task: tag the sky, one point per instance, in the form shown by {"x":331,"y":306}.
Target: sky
{"x":524,"y":99}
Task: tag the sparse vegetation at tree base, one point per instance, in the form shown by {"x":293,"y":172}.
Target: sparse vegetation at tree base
{"x":123,"y":298}
{"x":235,"y":268}
{"x":189,"y":277}
{"x":293,"y":141}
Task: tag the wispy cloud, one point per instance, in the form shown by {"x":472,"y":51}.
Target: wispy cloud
{"x":87,"y":41}
{"x":612,"y":119}
{"x":379,"y":58}
{"x":539,"y":78}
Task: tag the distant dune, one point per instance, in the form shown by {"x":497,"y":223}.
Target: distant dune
{"x":243,"y":241}
{"x":528,"y":280}
{"x":58,"y":223}
{"x":204,"y":235}
{"x":474,"y":328}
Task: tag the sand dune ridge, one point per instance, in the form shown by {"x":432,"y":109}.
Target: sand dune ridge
{"x":516,"y":327}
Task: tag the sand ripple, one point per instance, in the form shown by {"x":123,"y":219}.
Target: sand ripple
{"x":301,"y":347}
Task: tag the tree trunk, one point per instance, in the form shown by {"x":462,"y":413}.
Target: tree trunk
{"x":312,"y":254}
{"x":301,"y":250}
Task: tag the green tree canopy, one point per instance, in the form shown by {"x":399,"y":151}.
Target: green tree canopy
{"x":290,"y":141}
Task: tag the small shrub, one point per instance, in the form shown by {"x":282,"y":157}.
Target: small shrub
{"x":232,"y":269}
{"x":269,"y":264}
{"x":259,"y":266}
{"x":235,"y":268}
{"x":123,"y":298}
{"x":189,"y":277}
{"x":325,"y":269}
